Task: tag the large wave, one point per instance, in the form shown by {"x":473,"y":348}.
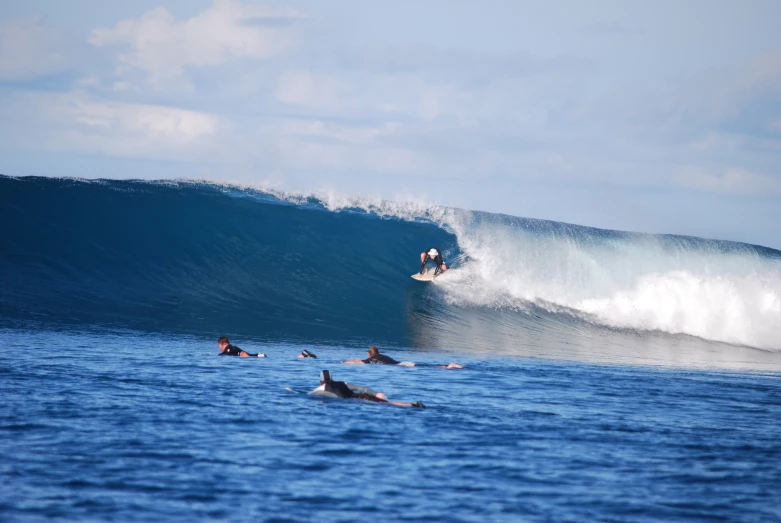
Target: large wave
{"x":205,"y":258}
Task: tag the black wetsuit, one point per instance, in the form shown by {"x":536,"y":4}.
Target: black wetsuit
{"x":339,"y":388}
{"x":381,"y":358}
{"x":232,"y":350}
{"x":438,"y":260}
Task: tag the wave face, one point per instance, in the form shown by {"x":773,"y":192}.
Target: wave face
{"x":203,"y":258}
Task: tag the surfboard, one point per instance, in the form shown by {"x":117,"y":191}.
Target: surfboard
{"x":429,"y":276}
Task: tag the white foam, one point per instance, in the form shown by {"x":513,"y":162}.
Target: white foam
{"x":634,"y":281}
{"x":742,"y":310}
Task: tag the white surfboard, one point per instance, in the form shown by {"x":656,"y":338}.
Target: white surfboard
{"x":429,"y":276}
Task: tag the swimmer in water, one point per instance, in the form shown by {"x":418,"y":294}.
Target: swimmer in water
{"x":340,"y":389}
{"x":306,"y":354}
{"x":226,"y":349}
{"x":376,"y":357}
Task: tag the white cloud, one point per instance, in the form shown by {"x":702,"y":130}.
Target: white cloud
{"x":762,"y":71}
{"x":437,"y":100}
{"x":168,"y":124}
{"x":372,"y":94}
{"x":724,"y":94}
{"x":75,"y":122}
{"x":727,"y":180}
{"x":322,"y":146}
{"x":730,"y":145}
{"x":163,"y":48}
{"x":29,"y":49}
{"x":316,"y":91}
{"x":718,"y":142}
{"x":300,"y":155}
{"x":357,"y":135}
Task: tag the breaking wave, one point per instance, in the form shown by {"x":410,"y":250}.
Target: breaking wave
{"x":205,"y":258}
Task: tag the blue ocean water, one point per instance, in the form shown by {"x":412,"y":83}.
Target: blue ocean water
{"x":608,"y":376}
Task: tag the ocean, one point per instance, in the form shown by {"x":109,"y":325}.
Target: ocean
{"x":608,"y":375}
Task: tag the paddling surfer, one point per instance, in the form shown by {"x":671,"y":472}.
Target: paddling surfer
{"x":377,"y":358}
{"x":374,"y":357}
{"x":226,"y":349}
{"x":340,"y":389}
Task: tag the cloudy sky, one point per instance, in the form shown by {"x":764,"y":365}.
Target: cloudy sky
{"x":657,"y":116}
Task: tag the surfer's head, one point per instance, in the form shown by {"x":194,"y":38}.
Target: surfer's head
{"x":433,"y":253}
{"x":325,"y":376}
{"x":373,"y":351}
{"x":223,"y":342}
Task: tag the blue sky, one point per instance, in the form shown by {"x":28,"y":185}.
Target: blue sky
{"x":655,"y":117}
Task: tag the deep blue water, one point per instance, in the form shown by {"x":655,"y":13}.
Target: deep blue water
{"x":140,"y":428}
{"x":609,"y":376}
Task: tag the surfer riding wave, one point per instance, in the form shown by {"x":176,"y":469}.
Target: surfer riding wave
{"x":434,"y":255}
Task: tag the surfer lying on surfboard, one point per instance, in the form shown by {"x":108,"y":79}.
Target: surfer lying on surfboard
{"x":376,"y":357}
{"x":436,"y":256}
{"x":226,"y":349}
{"x":340,"y":389}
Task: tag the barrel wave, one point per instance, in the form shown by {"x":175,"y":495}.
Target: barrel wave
{"x":207,"y":259}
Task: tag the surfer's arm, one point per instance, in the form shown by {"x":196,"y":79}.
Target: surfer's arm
{"x":383,"y":397}
{"x":353,"y":362}
{"x":245,"y":354}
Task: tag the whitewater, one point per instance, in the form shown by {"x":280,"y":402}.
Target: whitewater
{"x":609,"y":375}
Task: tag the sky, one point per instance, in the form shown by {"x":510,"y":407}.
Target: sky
{"x":645,"y":116}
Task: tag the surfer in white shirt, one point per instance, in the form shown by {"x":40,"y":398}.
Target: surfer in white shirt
{"x":436,"y":256}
